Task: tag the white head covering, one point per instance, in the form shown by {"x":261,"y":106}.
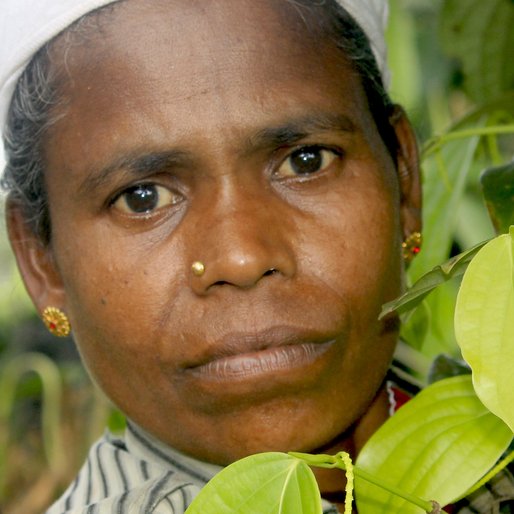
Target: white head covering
{"x":372,"y":17}
{"x":26,"y":25}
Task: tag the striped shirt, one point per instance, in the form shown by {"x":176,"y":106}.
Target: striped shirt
{"x":137,"y":474}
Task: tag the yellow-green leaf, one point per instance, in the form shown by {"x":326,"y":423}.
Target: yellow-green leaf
{"x":484,"y":324}
{"x":435,"y":447}
{"x":266,"y":483}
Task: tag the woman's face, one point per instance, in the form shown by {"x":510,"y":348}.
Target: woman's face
{"x":223,"y":132}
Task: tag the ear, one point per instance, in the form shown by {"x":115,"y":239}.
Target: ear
{"x":408,"y":172}
{"x":35,"y":260}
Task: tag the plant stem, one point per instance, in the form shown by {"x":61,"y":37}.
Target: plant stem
{"x":425,"y":505}
{"x":12,"y":373}
{"x":434,"y":144}
{"x":494,"y":151}
{"x":330,"y":461}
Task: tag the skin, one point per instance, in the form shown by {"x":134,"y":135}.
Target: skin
{"x":277,"y":346}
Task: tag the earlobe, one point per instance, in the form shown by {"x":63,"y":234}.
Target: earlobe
{"x":408,"y":172}
{"x":35,"y":260}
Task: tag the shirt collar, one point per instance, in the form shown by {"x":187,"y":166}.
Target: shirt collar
{"x":143,"y":445}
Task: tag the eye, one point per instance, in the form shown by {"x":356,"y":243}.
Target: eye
{"x":144,"y":199}
{"x":306,"y":161}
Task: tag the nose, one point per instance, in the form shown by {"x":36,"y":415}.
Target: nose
{"x":241,"y":242}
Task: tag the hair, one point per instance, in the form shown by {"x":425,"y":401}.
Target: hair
{"x":36,"y":100}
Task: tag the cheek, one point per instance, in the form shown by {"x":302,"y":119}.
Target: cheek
{"x":354,"y":245}
{"x":117,"y":288}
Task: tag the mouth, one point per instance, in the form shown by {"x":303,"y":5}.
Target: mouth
{"x":277,"y":351}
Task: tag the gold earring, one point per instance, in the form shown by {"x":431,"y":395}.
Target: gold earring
{"x":56,"y":321}
{"x":198,"y":268}
{"x":411,"y":246}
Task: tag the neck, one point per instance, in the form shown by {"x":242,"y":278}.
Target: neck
{"x":332,"y":482}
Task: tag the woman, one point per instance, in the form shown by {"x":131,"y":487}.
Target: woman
{"x":215,"y":195}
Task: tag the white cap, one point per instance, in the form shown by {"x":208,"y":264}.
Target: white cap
{"x":26,"y":25}
{"x":372,"y":17}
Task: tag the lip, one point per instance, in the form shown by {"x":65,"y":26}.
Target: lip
{"x":243,"y":356}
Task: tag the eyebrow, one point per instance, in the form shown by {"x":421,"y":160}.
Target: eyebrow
{"x":297,"y":129}
{"x":144,"y":164}
{"x":288,"y":133}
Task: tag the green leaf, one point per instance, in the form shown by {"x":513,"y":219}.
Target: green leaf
{"x":484,"y":324}
{"x":403,"y":56}
{"x":266,"y":483}
{"x":498,"y":190}
{"x":435,"y":447}
{"x":446,"y":367}
{"x":480,"y":35}
{"x":440,"y":337}
{"x":415,"y":325}
{"x":452,"y":268}
{"x":474,"y":222}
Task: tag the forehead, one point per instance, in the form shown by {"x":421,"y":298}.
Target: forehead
{"x":196,"y":40}
{"x":193,"y":28}
{"x":167,"y":63}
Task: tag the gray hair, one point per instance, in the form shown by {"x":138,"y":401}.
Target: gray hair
{"x":33,"y":108}
{"x":28,"y":120}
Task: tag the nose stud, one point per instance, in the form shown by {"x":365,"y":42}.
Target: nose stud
{"x":198,"y":268}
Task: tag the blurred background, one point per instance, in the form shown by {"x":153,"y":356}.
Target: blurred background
{"x":452,"y":64}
